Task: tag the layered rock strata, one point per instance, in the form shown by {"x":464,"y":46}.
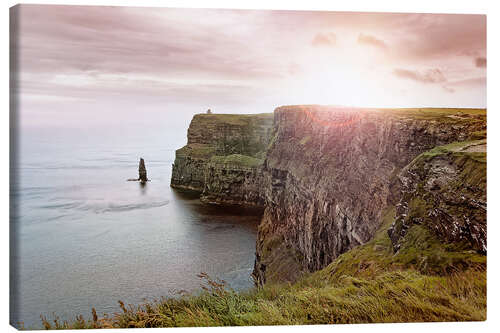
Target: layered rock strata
{"x":327,"y":178}
{"x":324,"y":176}
{"x":223,"y":156}
{"x":444,"y":190}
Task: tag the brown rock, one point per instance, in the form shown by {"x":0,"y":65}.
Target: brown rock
{"x":142,"y":171}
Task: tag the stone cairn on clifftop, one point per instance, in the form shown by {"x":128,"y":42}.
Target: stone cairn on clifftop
{"x":143,"y":176}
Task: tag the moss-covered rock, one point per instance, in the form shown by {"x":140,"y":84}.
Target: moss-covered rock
{"x":444,"y":191}
{"x":222,"y":157}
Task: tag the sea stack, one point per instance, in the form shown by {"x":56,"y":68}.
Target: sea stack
{"x":142,"y":171}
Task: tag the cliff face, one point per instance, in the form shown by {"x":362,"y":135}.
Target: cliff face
{"x":222,"y":157}
{"x":327,"y":177}
{"x":444,"y":190}
{"x":324,"y":176}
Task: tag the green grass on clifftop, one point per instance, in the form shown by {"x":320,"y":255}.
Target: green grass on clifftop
{"x":234,"y":119}
{"x":462,"y":148}
{"x":237,"y":160}
{"x":196,"y":150}
{"x":441,"y":114}
{"x":421,"y":251}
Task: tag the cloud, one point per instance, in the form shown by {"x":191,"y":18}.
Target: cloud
{"x":434,"y":75}
{"x":324,"y":39}
{"x":371,"y":40}
{"x":232,"y":57}
{"x":480,"y":62}
{"x":425,"y":37}
{"x":469,"y":82}
{"x":95,"y":53}
{"x":448,"y":89}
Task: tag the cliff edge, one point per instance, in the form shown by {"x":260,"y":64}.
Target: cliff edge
{"x":444,"y":191}
{"x":325,"y":175}
{"x":327,"y":178}
{"x":222,"y":158}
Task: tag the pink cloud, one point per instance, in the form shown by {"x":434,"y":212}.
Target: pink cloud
{"x":434,"y":75}
{"x":235,"y":57}
{"x":371,"y":40}
{"x":324,"y":39}
{"x":480,"y":62}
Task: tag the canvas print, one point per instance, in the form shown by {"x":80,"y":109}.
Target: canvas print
{"x":218,"y":167}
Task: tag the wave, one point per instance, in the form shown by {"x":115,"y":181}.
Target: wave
{"x":127,"y":207}
{"x":99,"y":208}
{"x":67,"y":205}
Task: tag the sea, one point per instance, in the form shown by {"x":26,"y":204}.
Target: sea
{"x":84,"y":237}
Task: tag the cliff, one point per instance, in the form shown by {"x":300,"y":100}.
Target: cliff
{"x":222,"y":157}
{"x":444,"y":191}
{"x":325,"y":175}
{"x":327,"y":178}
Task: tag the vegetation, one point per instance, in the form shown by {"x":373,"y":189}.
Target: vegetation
{"x":421,"y":251}
{"x":235,"y":119}
{"x":441,"y":115}
{"x":454,"y":147}
{"x":471,"y":163}
{"x":436,"y":112}
{"x":237,"y":160}
{"x":230,"y":134}
{"x":196,"y":150}
{"x":413,"y":112}
{"x":478,"y":135}
{"x":367,"y":284}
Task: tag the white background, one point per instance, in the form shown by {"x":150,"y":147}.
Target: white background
{"x":423,"y":6}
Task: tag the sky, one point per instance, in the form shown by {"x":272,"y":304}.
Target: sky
{"x":96,"y":65}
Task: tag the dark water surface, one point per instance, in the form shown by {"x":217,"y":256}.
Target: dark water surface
{"x":85,"y":237}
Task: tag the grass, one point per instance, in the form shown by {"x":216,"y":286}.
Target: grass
{"x":478,"y":135}
{"x":196,"y":150}
{"x":238,"y":160}
{"x":447,"y":115}
{"x":436,"y":112}
{"x":365,"y":285}
{"x":441,"y":115}
{"x":408,"y":111}
{"x":453,"y":147}
{"x":421,"y":251}
{"x":396,"y":296}
{"x":235,"y":119}
{"x":429,"y":206}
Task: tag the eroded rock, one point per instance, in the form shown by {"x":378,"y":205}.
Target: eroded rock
{"x":143,"y":177}
{"x":328,"y":173}
{"x":323,"y":174}
{"x":222,"y":159}
{"x":445,"y":191}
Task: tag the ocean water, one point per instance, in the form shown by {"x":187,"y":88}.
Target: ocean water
{"x":83,"y":237}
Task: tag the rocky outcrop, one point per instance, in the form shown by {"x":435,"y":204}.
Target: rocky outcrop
{"x":231,"y":183}
{"x":327,"y":177}
{"x":222,"y":158}
{"x":444,"y":190}
{"x":143,"y":176}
